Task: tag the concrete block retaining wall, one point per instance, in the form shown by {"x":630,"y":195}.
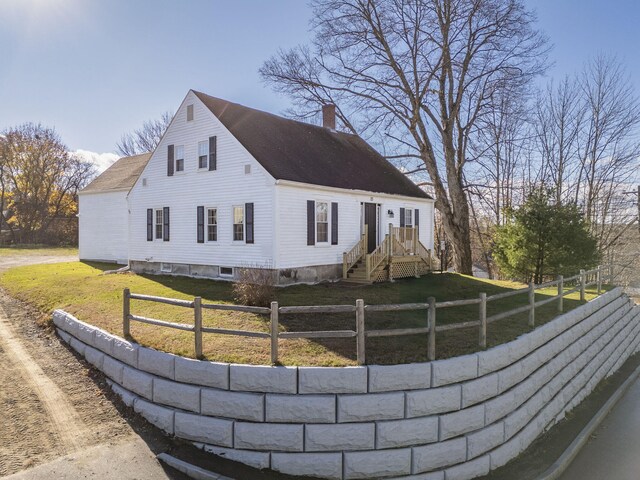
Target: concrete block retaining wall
{"x":451,"y":419}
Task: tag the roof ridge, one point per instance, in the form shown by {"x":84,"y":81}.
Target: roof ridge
{"x":280,"y":117}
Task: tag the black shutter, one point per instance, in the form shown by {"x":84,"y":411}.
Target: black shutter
{"x":311,"y":222}
{"x":213,"y":153}
{"x":165,"y":229}
{"x":416,"y":220}
{"x":170,"y":160}
{"x":149,"y":224}
{"x":334,"y":223}
{"x":248,"y":220}
{"x":200,"y":224}
{"x":402,"y":217}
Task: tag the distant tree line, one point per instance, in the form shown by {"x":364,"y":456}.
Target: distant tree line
{"x":39,"y":182}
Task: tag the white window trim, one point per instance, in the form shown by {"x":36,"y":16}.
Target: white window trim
{"x":206,"y":224}
{"x":206,"y":167}
{"x":227,"y":275}
{"x":409,"y":209}
{"x":155,"y":224}
{"x":175,"y":161}
{"x":233,"y":224}
{"x":326,"y":243}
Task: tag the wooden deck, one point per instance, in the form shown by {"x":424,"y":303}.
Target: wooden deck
{"x":399,"y":255}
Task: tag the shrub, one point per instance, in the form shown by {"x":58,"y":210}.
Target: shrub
{"x":255,"y":286}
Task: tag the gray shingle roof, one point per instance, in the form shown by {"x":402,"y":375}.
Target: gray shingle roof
{"x":300,"y":152}
{"x":122,"y":175}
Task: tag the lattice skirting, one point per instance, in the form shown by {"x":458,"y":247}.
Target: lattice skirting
{"x":400,"y":270}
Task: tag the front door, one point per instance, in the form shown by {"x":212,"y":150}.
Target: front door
{"x":371,"y":225}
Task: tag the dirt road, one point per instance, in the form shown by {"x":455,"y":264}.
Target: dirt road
{"x":53,"y":406}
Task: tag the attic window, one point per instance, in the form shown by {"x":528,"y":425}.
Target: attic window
{"x":247,"y":169}
{"x":189,"y":113}
{"x":144,"y":182}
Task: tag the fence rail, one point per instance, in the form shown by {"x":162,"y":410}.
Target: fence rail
{"x":584,"y":279}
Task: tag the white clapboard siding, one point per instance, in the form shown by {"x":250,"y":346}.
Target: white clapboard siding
{"x":291,"y":201}
{"x":103,"y":226}
{"x":223,"y":188}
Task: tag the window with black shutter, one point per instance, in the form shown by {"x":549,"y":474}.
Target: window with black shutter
{"x":248,"y":213}
{"x":213,"y":153}
{"x":416,"y":220}
{"x":200,"y":218}
{"x":170,"y":160}
{"x":334,"y":223}
{"x":165,"y":230}
{"x":402,"y":217}
{"x":149,"y":224}
{"x":311,"y":222}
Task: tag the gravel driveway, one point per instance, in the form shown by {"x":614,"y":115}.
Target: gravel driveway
{"x":53,"y":406}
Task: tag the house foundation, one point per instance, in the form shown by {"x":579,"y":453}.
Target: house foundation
{"x":282,"y":277}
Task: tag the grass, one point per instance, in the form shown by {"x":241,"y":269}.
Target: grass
{"x":80,"y":289}
{"x":36,"y":250}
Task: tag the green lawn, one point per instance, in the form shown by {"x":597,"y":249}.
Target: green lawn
{"x":80,"y":289}
{"x":36,"y":250}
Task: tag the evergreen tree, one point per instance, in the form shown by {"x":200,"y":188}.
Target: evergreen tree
{"x":543,"y":239}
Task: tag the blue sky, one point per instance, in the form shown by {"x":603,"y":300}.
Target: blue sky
{"x":95,"y":69}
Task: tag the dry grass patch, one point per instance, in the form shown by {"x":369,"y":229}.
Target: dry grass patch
{"x":81,"y":289}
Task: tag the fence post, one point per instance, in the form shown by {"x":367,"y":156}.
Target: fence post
{"x":360,"y":338}
{"x":560,"y":293}
{"x":583,"y":281}
{"x":532,"y":304}
{"x":274,"y":332}
{"x":599,"y":278}
{"x":126,"y":311}
{"x":431,"y":346}
{"x":197,"y":324}
{"x":483,"y":320}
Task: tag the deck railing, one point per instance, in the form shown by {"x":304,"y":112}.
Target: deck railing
{"x":583,"y":280}
{"x":353,"y":256}
{"x":379,"y":255}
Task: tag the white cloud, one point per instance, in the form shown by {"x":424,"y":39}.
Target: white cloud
{"x":102,"y":161}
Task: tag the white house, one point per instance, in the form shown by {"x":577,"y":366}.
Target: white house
{"x":104,"y":212}
{"x":231,"y":187}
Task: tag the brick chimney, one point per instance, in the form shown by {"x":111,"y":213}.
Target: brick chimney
{"x":329,"y":116}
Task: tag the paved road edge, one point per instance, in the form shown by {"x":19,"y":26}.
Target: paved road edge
{"x":558,"y":467}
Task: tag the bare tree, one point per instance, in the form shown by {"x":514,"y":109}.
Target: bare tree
{"x":609,"y":145}
{"x":560,"y":112}
{"x":40,"y":181}
{"x":418,"y":73}
{"x":146,"y":138}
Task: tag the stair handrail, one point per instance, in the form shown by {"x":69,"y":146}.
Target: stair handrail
{"x":424,"y":253}
{"x":398,"y":249}
{"x":353,"y":256}
{"x":375,"y":258}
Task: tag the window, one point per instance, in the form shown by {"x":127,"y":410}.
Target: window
{"x":159,"y":224}
{"x":408,"y":217}
{"x":203,"y":154}
{"x":212,"y":225}
{"x":238,"y":224}
{"x":179,"y":153}
{"x":189,"y":113}
{"x":322,"y":222}
{"x":247,"y":169}
{"x":226,"y":271}
{"x":165,"y":267}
